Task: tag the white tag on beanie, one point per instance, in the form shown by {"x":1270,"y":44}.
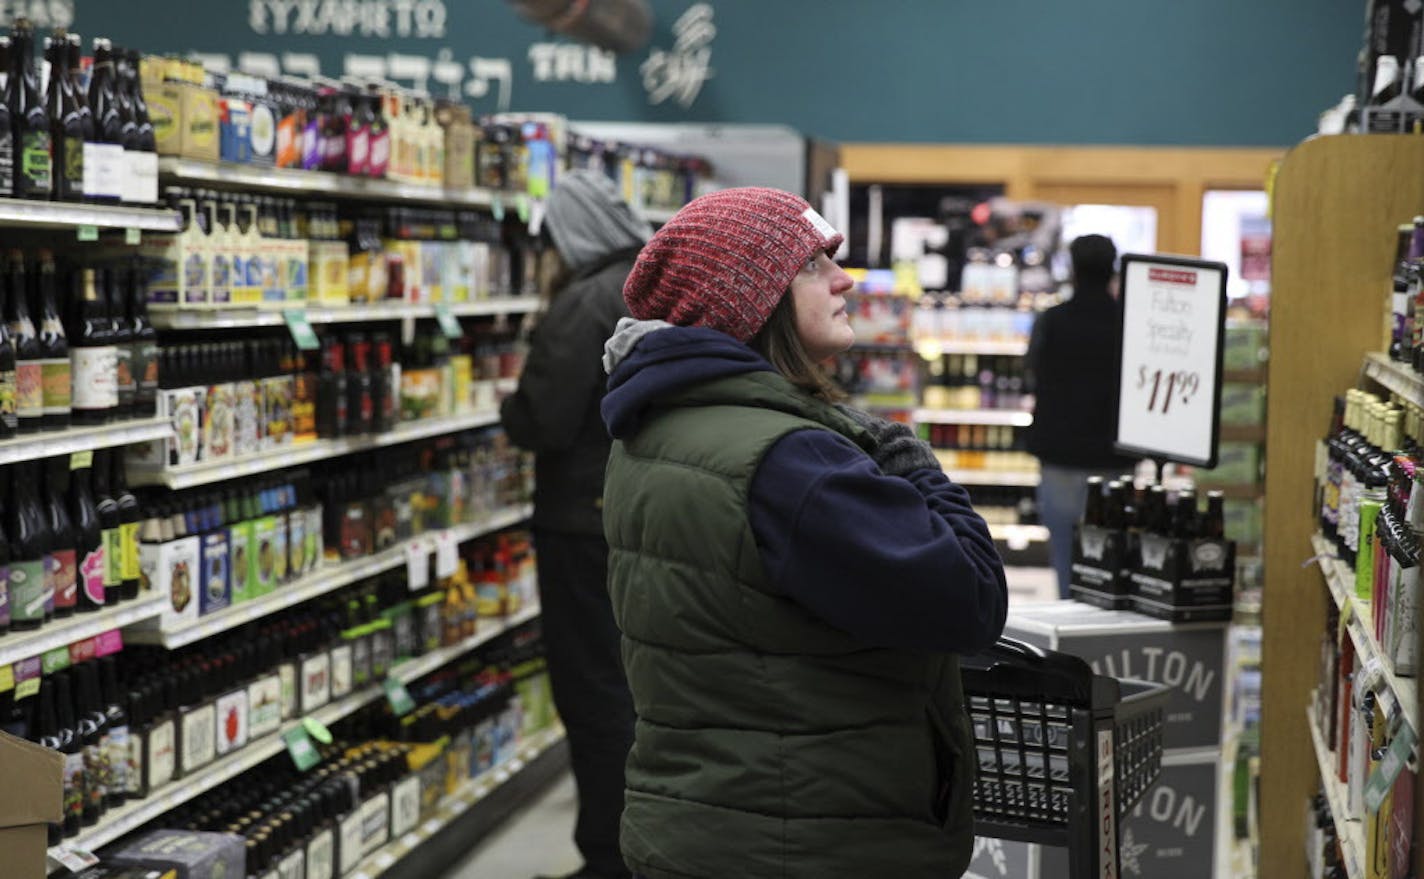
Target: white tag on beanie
{"x":819,"y":223}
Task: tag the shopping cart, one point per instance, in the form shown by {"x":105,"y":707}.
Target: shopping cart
{"x":1063,"y":753}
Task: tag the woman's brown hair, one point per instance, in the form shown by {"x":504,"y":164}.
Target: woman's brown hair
{"x":779,"y":343}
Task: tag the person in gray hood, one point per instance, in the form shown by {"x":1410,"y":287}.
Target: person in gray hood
{"x":555,"y":413}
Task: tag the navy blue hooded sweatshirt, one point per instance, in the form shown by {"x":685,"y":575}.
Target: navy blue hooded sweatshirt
{"x":896,"y":561}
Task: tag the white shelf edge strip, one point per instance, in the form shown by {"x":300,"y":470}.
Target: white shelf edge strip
{"x":320,"y":583}
{"x":174,"y":794}
{"x":23,"y":645}
{"x":40,"y":213}
{"x":318,"y":450}
{"x":988,"y":417}
{"x":1349,"y":830}
{"x":1405,"y":691}
{"x":318,"y":181}
{"x":30,"y":447}
{"x":170,"y":317}
{"x":450,"y":808}
{"x":1026,"y":478}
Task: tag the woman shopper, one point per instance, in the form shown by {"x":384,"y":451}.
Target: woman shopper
{"x":1073,"y":363}
{"x":792,"y":578}
{"x":554,"y":413}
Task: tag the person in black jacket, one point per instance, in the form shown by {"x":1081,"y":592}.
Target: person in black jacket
{"x":555,"y":413}
{"x":1073,"y":363}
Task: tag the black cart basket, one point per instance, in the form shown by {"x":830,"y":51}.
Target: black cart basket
{"x":1063,"y":753}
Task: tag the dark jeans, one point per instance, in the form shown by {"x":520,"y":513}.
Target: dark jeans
{"x":589,"y":687}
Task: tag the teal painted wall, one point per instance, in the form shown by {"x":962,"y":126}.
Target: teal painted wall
{"x":1188,"y":72}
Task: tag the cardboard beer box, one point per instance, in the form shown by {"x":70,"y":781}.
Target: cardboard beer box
{"x":1184,"y":580}
{"x":1102,"y":564}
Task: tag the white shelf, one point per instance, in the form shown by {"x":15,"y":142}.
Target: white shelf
{"x":22,"y":645}
{"x":991,"y":417}
{"x":52,"y":214}
{"x":1397,"y":377}
{"x":171,"y":317}
{"x":135,"y":814}
{"x":206,"y":472}
{"x":972,"y":346}
{"x":291,"y":180}
{"x":1349,"y":830}
{"x":1341,"y":579}
{"x":328,"y":579}
{"x":1024,"y":478}
{"x":33,"y":446}
{"x":469,"y":795}
{"x":1019,"y":536}
{"x":658,"y":215}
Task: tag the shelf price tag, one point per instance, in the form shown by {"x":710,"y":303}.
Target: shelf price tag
{"x":398,"y":697}
{"x":300,"y":328}
{"x":1388,"y":769}
{"x":521,"y":207}
{"x":449,"y":324}
{"x":76,"y":860}
{"x":317,"y":730}
{"x":88,"y":233}
{"x":300,"y":746}
{"x":497,"y":208}
{"x":7,"y":678}
{"x":417,"y":565}
{"x":57,"y":659}
{"x":447,"y":554}
{"x":133,"y":237}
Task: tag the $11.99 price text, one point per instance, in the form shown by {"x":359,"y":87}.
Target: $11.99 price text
{"x":1167,"y":387}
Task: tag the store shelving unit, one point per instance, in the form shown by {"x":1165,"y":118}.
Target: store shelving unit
{"x":206,"y":472}
{"x":451,"y":808}
{"x":133,"y":815}
{"x":22,"y":645}
{"x":658,"y":216}
{"x":1337,"y":203}
{"x":227,"y":317}
{"x":1347,"y":827}
{"x":326,"y":579}
{"x":974,"y":346}
{"x":991,"y":417}
{"x":34,"y":446}
{"x":24,"y":213}
{"x":295,"y":181}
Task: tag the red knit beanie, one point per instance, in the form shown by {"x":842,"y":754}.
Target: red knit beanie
{"x":725,"y":260}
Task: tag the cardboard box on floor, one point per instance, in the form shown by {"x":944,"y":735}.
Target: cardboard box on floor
{"x":34,"y":793}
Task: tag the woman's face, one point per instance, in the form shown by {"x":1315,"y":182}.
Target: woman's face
{"x":818,"y":294}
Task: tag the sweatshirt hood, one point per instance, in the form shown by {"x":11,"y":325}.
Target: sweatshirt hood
{"x":648,"y":360}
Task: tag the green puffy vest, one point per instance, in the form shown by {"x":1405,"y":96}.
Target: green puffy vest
{"x":769,"y":744}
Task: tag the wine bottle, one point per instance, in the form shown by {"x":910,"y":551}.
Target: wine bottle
{"x":118,"y":740}
{"x":29,"y":361}
{"x":66,"y":129}
{"x":62,"y":566}
{"x":9,"y":419}
{"x":55,"y":378}
{"x":92,"y":727}
{"x":144,"y":361}
{"x":130,"y":517}
{"x":109,"y":525}
{"x":93,"y":356}
{"x":33,"y":168}
{"x":25,"y":521}
{"x":55,"y":728}
{"x":7,"y":128}
{"x":116,"y":283}
{"x":88,"y":532}
{"x":107,"y":150}
{"x":128,"y":127}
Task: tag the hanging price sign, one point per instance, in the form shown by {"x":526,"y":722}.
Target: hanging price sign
{"x":1169,"y":390}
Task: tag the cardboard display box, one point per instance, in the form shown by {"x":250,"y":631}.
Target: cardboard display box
{"x":1188,"y":657}
{"x":1102,"y":566}
{"x":34,"y":782}
{"x":1170,"y":833}
{"x":1184,"y":580}
{"x":192,"y":854}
